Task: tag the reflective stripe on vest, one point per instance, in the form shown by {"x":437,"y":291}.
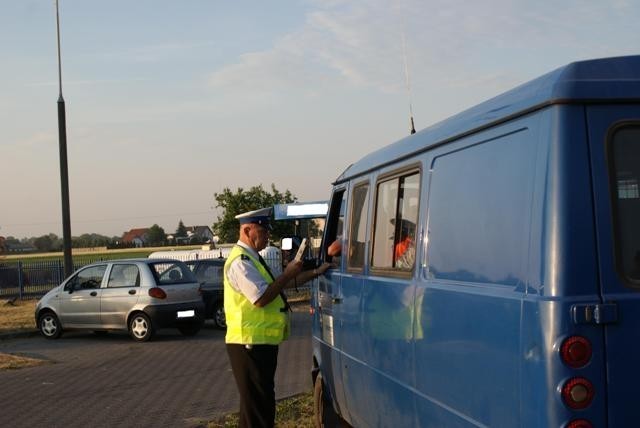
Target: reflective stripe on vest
{"x":247,"y":323}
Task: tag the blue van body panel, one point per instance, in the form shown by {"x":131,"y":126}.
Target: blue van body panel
{"x":471,"y":336}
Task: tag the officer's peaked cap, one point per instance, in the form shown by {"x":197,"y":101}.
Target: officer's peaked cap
{"x":261,"y":217}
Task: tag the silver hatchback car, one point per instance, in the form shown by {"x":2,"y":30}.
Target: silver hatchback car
{"x":135,"y":295}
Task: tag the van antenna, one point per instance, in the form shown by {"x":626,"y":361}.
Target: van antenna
{"x":408,"y":81}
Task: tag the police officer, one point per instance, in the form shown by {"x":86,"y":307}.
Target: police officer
{"x":257,"y":317}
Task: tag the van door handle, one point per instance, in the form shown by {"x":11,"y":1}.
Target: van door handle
{"x":94,"y":293}
{"x":132,"y":292}
{"x":336,"y":300}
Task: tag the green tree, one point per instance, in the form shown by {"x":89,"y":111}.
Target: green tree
{"x":47,"y":243}
{"x":181,"y":231}
{"x":232,"y":204}
{"x":88,"y":240}
{"x":156,"y":235}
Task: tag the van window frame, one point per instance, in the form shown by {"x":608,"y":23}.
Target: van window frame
{"x":613,"y":192}
{"x":405,"y":171}
{"x":367,"y":237}
{"x":331,"y":225}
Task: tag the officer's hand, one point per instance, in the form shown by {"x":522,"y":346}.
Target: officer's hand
{"x":293,"y":268}
{"x":323,"y":268}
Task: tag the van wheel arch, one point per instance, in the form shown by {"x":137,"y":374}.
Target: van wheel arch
{"x":324,"y":415}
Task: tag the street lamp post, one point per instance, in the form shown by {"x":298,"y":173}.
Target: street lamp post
{"x":64,"y":173}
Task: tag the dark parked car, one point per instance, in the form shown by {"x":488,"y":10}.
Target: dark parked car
{"x":209,"y":272}
{"x":135,"y":295}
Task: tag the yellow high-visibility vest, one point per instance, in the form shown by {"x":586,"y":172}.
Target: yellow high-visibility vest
{"x":249,"y":324}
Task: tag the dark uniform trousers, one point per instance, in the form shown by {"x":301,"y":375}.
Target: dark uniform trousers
{"x":254,"y":369}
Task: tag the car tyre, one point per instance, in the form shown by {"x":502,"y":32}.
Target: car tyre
{"x":219,"y":317}
{"x":323,"y":413}
{"x":140,"y":327}
{"x":49,"y":325}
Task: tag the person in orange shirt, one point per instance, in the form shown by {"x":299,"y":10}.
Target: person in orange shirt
{"x":401,"y":247}
{"x":404,"y":252}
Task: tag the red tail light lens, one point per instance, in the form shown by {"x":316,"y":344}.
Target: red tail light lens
{"x":576,"y":351}
{"x":577,"y":393}
{"x":579,"y":423}
{"x":157,"y":292}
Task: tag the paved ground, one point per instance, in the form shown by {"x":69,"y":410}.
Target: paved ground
{"x":111,"y":381}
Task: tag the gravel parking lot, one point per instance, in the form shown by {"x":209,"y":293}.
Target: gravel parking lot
{"x":110,"y":380}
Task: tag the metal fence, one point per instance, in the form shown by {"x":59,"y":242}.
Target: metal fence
{"x":32,"y":279}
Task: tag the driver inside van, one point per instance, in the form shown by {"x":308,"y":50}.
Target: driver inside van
{"x":404,"y":252}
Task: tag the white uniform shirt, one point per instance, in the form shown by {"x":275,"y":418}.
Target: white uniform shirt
{"x":245,"y":277}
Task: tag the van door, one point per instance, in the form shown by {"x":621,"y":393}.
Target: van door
{"x":328,"y":301}
{"x":614,"y":138}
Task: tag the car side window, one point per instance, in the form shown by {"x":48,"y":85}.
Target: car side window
{"x":125,"y":275}
{"x":210,"y":274}
{"x":87,"y":279}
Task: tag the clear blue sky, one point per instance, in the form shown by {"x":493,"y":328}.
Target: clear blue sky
{"x":170,"y":102}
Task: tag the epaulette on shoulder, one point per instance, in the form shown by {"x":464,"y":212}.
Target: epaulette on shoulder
{"x":244,"y":257}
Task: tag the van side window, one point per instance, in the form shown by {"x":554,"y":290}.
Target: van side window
{"x":625,"y":182}
{"x":334,"y":230}
{"x":358,"y":227}
{"x":396,"y":216}
{"x":479,"y":212}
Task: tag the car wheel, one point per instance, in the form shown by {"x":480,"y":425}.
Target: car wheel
{"x":219,"y":317}
{"x":140,"y":327}
{"x":49,"y":325}
{"x":323,"y":413}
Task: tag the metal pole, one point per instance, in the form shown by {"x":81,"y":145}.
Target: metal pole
{"x":64,"y":174}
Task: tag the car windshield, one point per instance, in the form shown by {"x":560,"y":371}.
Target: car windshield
{"x":172,"y":272}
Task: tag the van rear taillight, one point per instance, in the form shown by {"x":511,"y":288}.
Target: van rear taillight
{"x":157,"y":292}
{"x":579,"y":423}
{"x":576,"y":351}
{"x":577,"y":393}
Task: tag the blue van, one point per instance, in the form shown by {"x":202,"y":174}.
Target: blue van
{"x":489,"y":272}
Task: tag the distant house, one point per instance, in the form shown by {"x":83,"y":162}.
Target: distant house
{"x":19,"y":248}
{"x":136,"y":237}
{"x":195,"y":235}
{"x":202,"y":233}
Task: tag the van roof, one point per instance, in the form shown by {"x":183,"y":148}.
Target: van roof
{"x":592,"y":81}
